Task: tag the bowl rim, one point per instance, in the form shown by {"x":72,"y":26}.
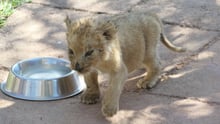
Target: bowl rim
{"x":40,"y":58}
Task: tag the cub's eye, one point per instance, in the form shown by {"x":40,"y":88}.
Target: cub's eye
{"x":70,"y":52}
{"x":89,"y":53}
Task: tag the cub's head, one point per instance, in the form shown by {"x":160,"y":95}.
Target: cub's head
{"x":88,"y":42}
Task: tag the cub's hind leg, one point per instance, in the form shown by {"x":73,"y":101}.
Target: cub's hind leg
{"x":151,"y":61}
{"x":153,"y":71}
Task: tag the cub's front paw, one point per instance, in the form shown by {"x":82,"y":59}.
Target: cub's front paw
{"x":108,"y":110}
{"x":89,"y":98}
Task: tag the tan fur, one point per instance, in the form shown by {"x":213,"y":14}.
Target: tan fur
{"x":115,"y":45}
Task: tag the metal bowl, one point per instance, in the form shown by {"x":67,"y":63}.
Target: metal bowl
{"x":43,"y":79}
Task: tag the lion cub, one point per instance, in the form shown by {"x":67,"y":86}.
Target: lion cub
{"x":115,"y":45}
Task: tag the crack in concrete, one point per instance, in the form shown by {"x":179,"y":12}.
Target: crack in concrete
{"x":192,"y":26}
{"x":209,"y":44}
{"x":183,"y":25}
{"x":70,"y":8}
{"x":173,"y":68}
{"x":184,"y":97}
{"x":194,"y":55}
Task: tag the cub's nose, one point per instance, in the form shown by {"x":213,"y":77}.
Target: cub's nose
{"x":77,"y":67}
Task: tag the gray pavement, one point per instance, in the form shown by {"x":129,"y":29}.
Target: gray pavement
{"x":189,"y":93}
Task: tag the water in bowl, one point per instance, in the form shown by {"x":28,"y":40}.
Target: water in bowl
{"x":44,"y":73}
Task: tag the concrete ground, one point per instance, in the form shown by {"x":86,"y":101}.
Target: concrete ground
{"x":189,"y":93}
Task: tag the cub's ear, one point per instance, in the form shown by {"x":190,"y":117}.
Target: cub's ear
{"x":71,"y":25}
{"x":108,"y":30}
{"x":67,"y":21}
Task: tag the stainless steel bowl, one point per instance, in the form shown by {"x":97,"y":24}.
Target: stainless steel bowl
{"x":42,"y":79}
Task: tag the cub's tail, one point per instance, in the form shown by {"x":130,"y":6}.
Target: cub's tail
{"x":169,"y":45}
